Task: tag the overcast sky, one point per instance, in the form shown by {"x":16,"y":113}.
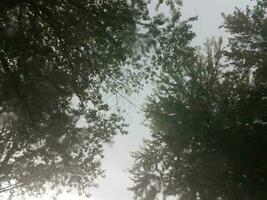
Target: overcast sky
{"x":117,"y":157}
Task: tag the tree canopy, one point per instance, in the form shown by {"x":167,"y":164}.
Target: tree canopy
{"x":57,"y":59}
{"x":208,"y":116}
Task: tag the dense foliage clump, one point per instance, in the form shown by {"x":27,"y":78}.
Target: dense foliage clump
{"x":57,"y":60}
{"x":208,"y":116}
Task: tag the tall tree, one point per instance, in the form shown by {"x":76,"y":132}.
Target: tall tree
{"x":52,"y":52}
{"x":208,"y":119}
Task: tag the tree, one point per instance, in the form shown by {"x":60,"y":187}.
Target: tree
{"x":208,"y":117}
{"x":52,"y":52}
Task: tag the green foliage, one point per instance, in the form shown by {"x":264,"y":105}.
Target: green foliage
{"x":57,"y":59}
{"x":208,"y":117}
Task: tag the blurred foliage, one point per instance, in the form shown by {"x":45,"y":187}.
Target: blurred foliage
{"x":57,"y":60}
{"x":208,"y":116}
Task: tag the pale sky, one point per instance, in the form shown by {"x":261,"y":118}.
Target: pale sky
{"x":117,"y":156}
{"x":118,"y":160}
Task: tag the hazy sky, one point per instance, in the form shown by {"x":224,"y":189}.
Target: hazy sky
{"x":118,"y":160}
{"x":117,"y":156}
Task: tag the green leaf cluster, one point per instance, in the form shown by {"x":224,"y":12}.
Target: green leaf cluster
{"x":208,"y":116}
